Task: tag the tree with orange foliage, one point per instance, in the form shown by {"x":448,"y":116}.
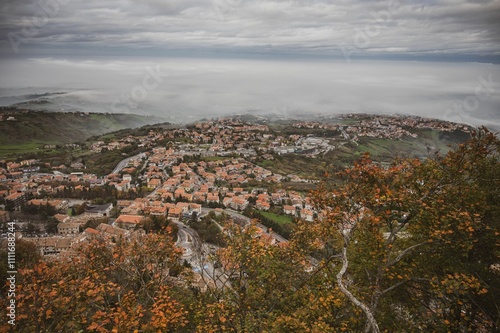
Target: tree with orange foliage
{"x":106,"y":287}
{"x":408,"y":247}
{"x":414,"y":243}
{"x":262,"y":280}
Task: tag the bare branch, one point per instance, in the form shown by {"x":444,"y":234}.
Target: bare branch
{"x":373,"y":326}
{"x":394,"y":286}
{"x":404,"y":253}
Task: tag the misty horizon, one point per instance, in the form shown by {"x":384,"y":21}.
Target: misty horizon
{"x":181,"y":90}
{"x":185,"y":60}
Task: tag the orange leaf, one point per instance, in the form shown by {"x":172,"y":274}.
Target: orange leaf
{"x":93,"y":326}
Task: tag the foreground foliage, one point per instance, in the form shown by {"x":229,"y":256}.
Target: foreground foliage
{"x":406,"y":248}
{"x":419,"y":240}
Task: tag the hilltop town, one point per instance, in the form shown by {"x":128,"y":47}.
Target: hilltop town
{"x":182,"y":174}
{"x":203,"y":216}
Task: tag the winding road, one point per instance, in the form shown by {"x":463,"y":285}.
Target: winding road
{"x":123,"y":163}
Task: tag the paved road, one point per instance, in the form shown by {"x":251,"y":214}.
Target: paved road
{"x":188,"y":238}
{"x":185,"y":240}
{"x":198,"y":255}
{"x":205,"y":265}
{"x":123,"y":163}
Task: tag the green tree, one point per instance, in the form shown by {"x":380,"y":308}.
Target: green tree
{"x":51,"y":225}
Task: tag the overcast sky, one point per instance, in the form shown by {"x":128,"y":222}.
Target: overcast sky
{"x":388,"y":28}
{"x":220,"y":56}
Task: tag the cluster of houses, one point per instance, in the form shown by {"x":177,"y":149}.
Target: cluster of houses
{"x":177,"y":188}
{"x":390,"y":127}
{"x":66,"y":244}
{"x":200,"y":182}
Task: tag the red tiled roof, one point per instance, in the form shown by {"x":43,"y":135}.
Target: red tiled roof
{"x":135,"y":219}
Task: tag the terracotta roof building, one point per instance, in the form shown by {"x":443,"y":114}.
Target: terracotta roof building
{"x":129,"y":222}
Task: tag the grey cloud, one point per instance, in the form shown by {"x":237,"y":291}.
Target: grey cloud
{"x":270,"y":29}
{"x":430,"y":27}
{"x":167,"y":8}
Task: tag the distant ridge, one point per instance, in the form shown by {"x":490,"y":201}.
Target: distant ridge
{"x":22,"y":130}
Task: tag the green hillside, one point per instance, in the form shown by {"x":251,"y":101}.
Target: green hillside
{"x":34,"y":129}
{"x":428,"y":143}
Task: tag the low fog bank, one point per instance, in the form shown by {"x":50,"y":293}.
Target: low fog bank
{"x":181,"y":90}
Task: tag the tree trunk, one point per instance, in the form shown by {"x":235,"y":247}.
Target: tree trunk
{"x":372,"y":323}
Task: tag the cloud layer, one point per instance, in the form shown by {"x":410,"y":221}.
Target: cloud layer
{"x":261,"y":56}
{"x":428,"y":28}
{"x":187,"y":89}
